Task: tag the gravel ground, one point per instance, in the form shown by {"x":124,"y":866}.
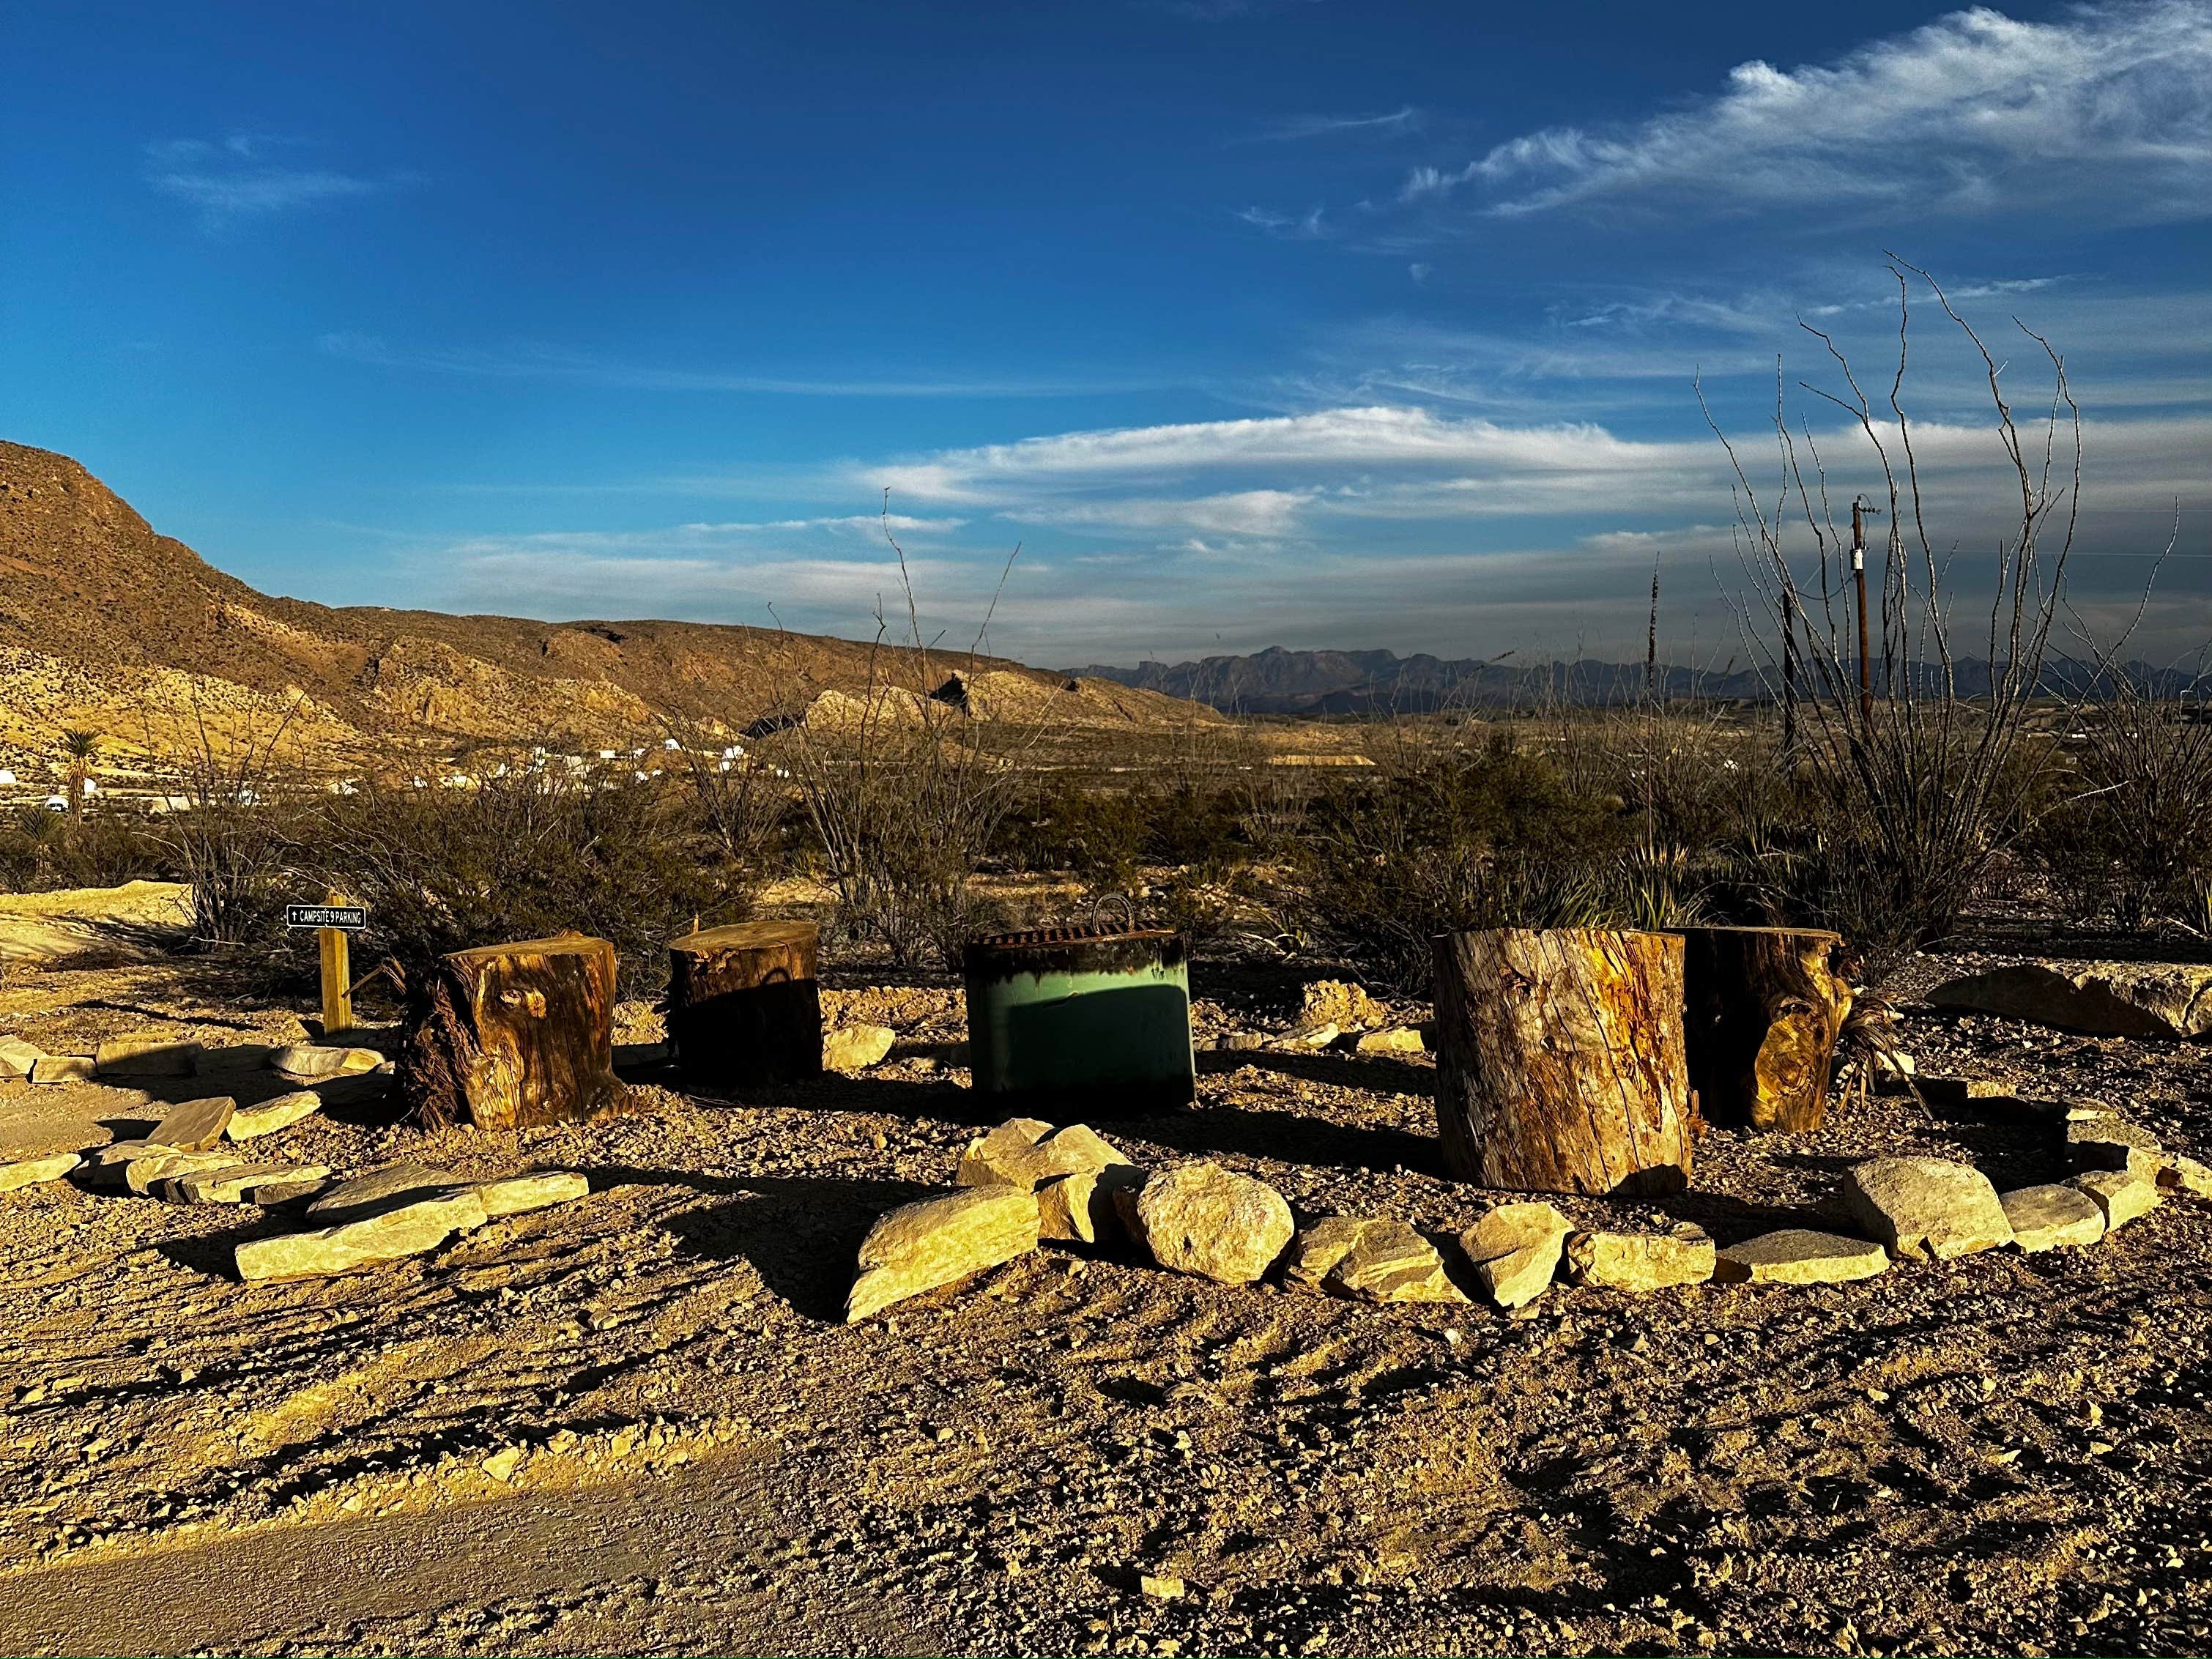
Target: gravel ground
{"x":2002,"y":1454}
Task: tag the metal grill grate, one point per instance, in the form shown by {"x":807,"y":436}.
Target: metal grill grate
{"x":1043,"y":936}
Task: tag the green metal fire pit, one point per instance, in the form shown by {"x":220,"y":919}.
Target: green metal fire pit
{"x":1062,"y":1020}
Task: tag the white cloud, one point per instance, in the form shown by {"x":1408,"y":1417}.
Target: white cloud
{"x":2108,"y":110}
{"x":247,"y":175}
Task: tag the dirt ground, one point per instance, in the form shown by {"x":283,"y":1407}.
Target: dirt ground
{"x":634,"y":1424}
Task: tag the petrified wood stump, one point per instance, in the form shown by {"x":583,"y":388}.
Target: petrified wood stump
{"x":1560,"y":1063}
{"x":508,"y":1035}
{"x":742,"y":1003}
{"x":1764,"y":1006}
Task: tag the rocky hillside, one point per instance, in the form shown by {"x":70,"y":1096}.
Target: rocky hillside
{"x":105,"y":624}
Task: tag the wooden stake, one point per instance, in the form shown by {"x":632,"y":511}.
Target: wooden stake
{"x":337,"y":974}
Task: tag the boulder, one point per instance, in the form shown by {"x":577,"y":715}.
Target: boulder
{"x":381,"y":1189}
{"x":1642,"y":1261}
{"x":2101,"y":999}
{"x":1926,"y":1209}
{"x":1372,"y":1259}
{"x":235,"y":1183}
{"x":307,"y":1062}
{"x":1201,"y":1218}
{"x":252,"y":1122}
{"x":409,"y":1228}
{"x":2122,"y":1194}
{"x":2109,"y":1144}
{"x":1335,"y":1002}
{"x":540,"y":1189}
{"x":1025,"y":1151}
{"x":196,"y":1125}
{"x":147,"y":1054}
{"x":2044,"y":1217}
{"x":940,"y":1240}
{"x":856,"y":1047}
{"x":1398,"y":1040}
{"x":51,"y":1070}
{"x":1516,"y":1250}
{"x":2185,"y":1175}
{"x":1799,"y":1255}
{"x":29,"y":1171}
{"x":1085,"y":1207}
{"x":17,"y":1058}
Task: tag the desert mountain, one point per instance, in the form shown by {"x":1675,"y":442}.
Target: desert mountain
{"x":105,"y":624}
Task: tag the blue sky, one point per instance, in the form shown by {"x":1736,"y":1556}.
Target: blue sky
{"x":1304,"y":323}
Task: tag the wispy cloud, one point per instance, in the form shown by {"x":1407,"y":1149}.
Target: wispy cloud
{"x":249,"y":175}
{"x":2108,"y":110}
{"x":1307,"y":226}
{"x":1297,"y":127}
{"x":545,"y":363}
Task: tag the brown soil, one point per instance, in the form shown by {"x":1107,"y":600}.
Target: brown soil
{"x":2005,"y":1453}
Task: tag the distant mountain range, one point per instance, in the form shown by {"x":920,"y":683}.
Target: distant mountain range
{"x":1277,"y":681}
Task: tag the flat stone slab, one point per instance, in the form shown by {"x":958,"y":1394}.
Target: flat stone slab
{"x":1202,"y":1219}
{"x":381,"y":1188}
{"x":17,"y":1057}
{"x":252,"y":1122}
{"x":1799,"y":1255}
{"x":2121,"y":1194}
{"x":141,"y":1174}
{"x":540,"y":1189}
{"x":1515,"y":1251}
{"x":50,"y":1071}
{"x":408,"y":1228}
{"x":938,"y":1242}
{"x":306,"y":1062}
{"x":2102,"y":998}
{"x":2107,"y":1143}
{"x":1926,"y":1209}
{"x":2048,"y":1217}
{"x":2185,"y":1175}
{"x":236,"y":1183}
{"x":1642,"y":1261}
{"x":196,"y":1124}
{"x":31,"y":1171}
{"x":147,"y":1054}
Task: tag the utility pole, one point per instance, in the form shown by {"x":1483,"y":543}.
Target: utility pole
{"x":1859,"y":512}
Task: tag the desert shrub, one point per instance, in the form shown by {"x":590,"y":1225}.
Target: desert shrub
{"x":1095,"y":832}
{"x":2125,"y":836}
{"x":41,"y":851}
{"x":527,"y":856}
{"x":1434,"y":843}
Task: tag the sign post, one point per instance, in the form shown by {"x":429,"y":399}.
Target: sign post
{"x":332,"y":920}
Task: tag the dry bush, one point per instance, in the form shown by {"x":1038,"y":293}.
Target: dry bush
{"x":241,"y":788}
{"x":528,"y":854}
{"x":2126,"y":838}
{"x":1906,"y":795}
{"x":1432,"y":842}
{"x":905,"y":792}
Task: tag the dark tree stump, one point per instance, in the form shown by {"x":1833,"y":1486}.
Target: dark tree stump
{"x":505,"y":1037}
{"x":743,"y":1005}
{"x":1560,"y":1063}
{"x":1764,"y":1006}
